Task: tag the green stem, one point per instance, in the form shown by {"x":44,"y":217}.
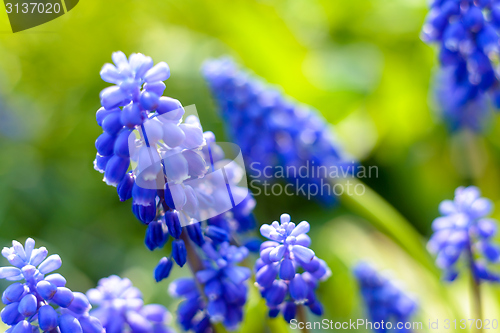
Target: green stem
{"x":361,"y":199}
{"x":476,"y":302}
{"x":302,"y":318}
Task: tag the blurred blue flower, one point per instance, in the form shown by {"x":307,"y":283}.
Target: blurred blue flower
{"x":467,"y":34}
{"x":120,"y":308}
{"x":271,"y":129}
{"x":224,"y":286}
{"x":191,"y":312}
{"x":383,"y":299}
{"x":464,"y":231}
{"x":287,"y":270}
{"x":31,"y":303}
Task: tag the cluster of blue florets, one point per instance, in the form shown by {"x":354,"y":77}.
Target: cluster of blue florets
{"x":40,"y":301}
{"x":120,"y":308}
{"x":271,"y":129}
{"x":467,"y":34}
{"x":385,"y":302}
{"x":224,"y":287}
{"x":288,"y":272}
{"x":464,"y":231}
{"x":152,"y":155}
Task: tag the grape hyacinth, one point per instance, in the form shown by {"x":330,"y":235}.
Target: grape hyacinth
{"x":120,"y":308}
{"x":41,"y":302}
{"x":168,"y":166}
{"x":464,"y":235}
{"x":288,"y":272}
{"x":467,"y":35}
{"x":224,"y":288}
{"x":385,"y":302}
{"x":271,"y":129}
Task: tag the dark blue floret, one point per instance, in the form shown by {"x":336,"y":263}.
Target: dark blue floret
{"x":383,"y":300}
{"x":271,"y":129}
{"x":467,"y":35}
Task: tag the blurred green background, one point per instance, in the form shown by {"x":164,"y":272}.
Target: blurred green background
{"x":360,"y":63}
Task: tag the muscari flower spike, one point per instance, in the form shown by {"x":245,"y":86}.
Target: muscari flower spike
{"x":288,"y":272}
{"x":271,"y":129}
{"x":383,"y":299}
{"x":224,"y":288}
{"x":146,"y":141}
{"x":120,"y":308}
{"x":464,"y":236}
{"x":41,"y":302}
{"x":467,"y":34}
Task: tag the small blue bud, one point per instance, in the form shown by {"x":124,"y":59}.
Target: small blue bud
{"x":100,"y":162}
{"x":167,"y":104}
{"x":157,"y":87}
{"x":218,"y":235}
{"x":160,"y":72}
{"x":287,"y":269}
{"x":56,"y":279}
{"x":63,"y":297}
{"x":298,"y":288}
{"x":149,"y":100}
{"x":121,"y":146}
{"x":111,"y":124}
{"x":173,"y":223}
{"x":195,"y":234}
{"x":138,"y":323}
{"x":145,"y":214}
{"x":80,"y":304}
{"x":91,"y":325}
{"x":47,"y":318}
{"x":104,"y":144}
{"x":112,"y":97}
{"x":50,"y":264}
{"x":162,"y":270}
{"x":14,"y":293}
{"x":273,"y":313}
{"x":115,"y":170}
{"x":10,"y":314}
{"x":316,"y":308}
{"x":46,"y":289}
{"x":124,"y":188}
{"x":179,"y":252}
{"x":143,"y":196}
{"x":217,"y":310}
{"x":266,"y":275}
{"x":156,"y":235}
{"x":132,"y":116}
{"x":28,"y":305}
{"x":289,"y":311}
{"x":275,"y":295}
{"x":103,"y":113}
{"x":23,"y":327}
{"x":69,"y":324}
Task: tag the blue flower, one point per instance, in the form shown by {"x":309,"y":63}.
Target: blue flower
{"x":287,"y":270}
{"x":224,"y":286}
{"x":384,"y":301}
{"x":31,"y":303}
{"x":120,"y":308}
{"x":272,"y":130}
{"x":464,"y":235}
{"x":191,"y":312}
{"x":467,"y":34}
{"x":161,"y":161}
